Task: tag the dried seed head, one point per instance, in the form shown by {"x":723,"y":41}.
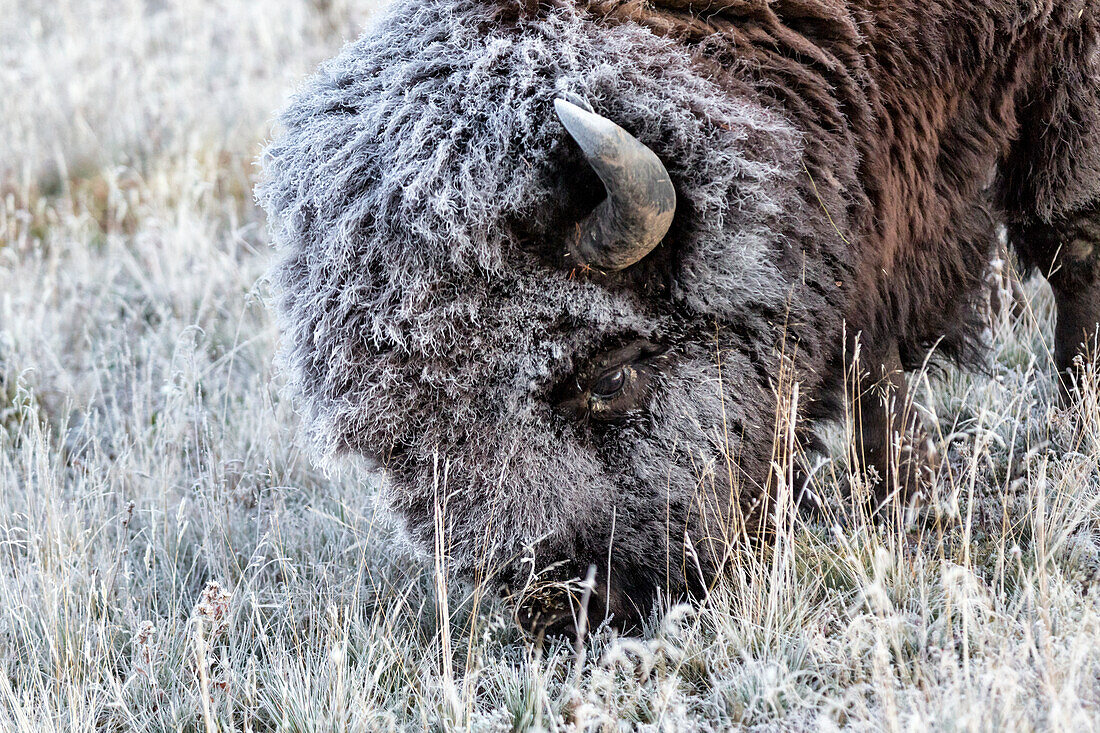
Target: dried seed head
{"x":213,"y":610}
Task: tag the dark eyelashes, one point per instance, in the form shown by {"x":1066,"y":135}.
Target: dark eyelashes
{"x":610,"y":383}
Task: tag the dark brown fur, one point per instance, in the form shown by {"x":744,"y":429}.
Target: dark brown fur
{"x":912,"y":111}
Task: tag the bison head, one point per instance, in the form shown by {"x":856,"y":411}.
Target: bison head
{"x":484,"y":288}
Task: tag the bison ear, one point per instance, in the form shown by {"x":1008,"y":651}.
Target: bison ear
{"x":640,"y":203}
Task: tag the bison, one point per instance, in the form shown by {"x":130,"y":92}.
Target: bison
{"x":559,"y":269}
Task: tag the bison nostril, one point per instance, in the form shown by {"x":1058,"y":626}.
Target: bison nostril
{"x":566,"y":608}
{"x":538,"y":621}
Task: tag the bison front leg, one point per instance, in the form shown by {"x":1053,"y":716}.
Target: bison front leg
{"x":1067,"y":251}
{"x":890,"y":436}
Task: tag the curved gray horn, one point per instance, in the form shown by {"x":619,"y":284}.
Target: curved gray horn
{"x":640,"y":202}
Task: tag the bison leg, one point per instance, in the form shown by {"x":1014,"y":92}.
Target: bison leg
{"x":891,"y":438}
{"x":1067,"y":251}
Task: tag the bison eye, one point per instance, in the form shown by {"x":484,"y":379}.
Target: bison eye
{"x":609,"y":384}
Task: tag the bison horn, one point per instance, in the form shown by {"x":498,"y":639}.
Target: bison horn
{"x":640,"y":202}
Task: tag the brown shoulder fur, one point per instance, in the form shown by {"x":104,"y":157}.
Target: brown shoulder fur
{"x":910,"y":110}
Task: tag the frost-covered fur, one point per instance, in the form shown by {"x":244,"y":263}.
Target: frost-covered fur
{"x":419,"y":196}
{"x":424,"y":329}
